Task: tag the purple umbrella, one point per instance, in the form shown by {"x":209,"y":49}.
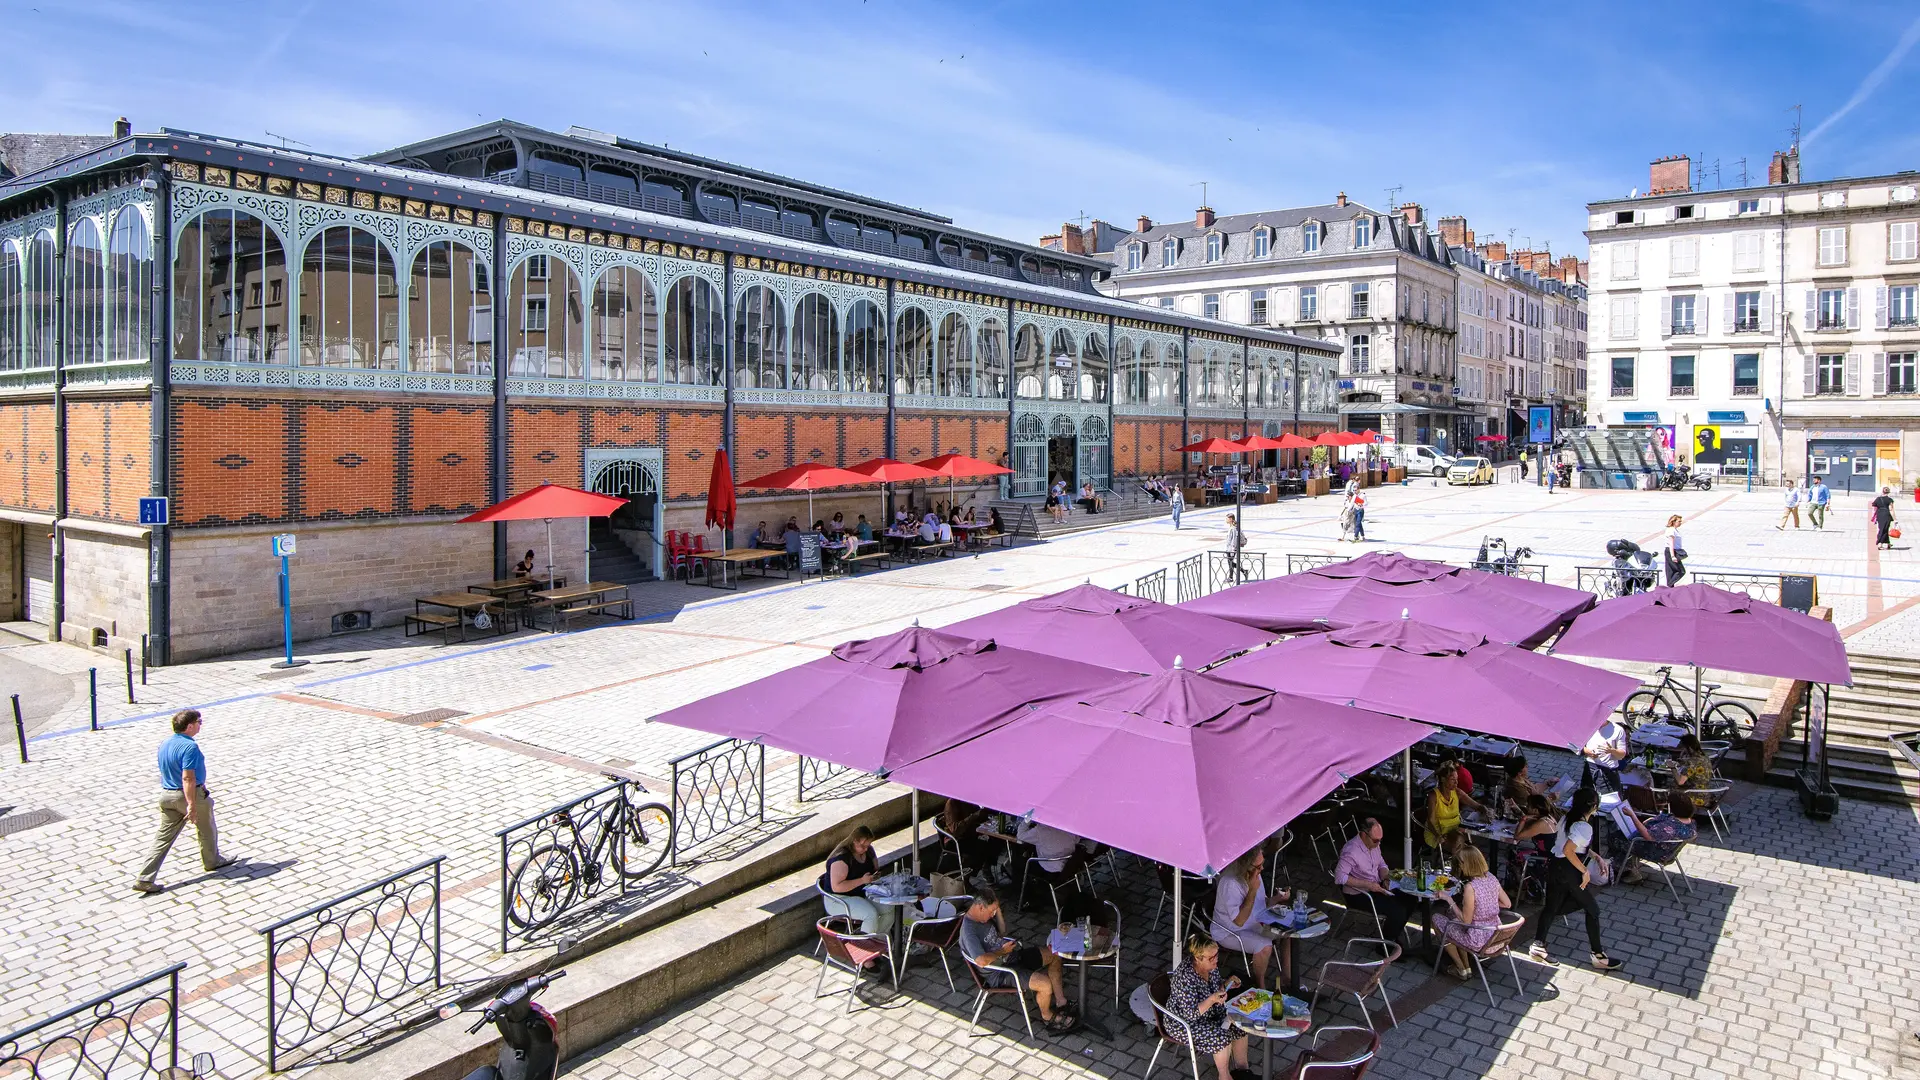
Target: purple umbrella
{"x":1382,"y":586}
{"x":1452,"y":677}
{"x":1103,"y":627}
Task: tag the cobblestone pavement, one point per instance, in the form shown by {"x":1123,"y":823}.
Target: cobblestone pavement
{"x":321,"y":789}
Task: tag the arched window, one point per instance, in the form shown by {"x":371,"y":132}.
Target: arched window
{"x":696,"y":334}
{"x":546,"y":321}
{"x":230,"y":290}
{"x":1029,"y":363}
{"x":913,"y":353}
{"x":41,"y":311}
{"x":449,"y":311}
{"x":349,"y":302}
{"x":954,"y":376}
{"x":86,"y":294}
{"x":991,"y":357}
{"x":129,"y":287}
{"x":1168,"y":389}
{"x":866,"y":349}
{"x":1130,"y":385}
{"x":760,"y":340}
{"x":816,"y":344}
{"x":1094,"y":370}
{"x":1062,"y":359}
{"x":626,"y":327}
{"x":1236,"y":378}
{"x":12,"y":304}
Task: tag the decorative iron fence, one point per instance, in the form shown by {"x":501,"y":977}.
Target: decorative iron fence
{"x":355,"y":958}
{"x":123,"y":1034}
{"x":1190,"y":578}
{"x":1152,"y":586}
{"x":1607,"y":582}
{"x":1759,"y":586}
{"x":1122,"y":589}
{"x":1299,"y":563}
{"x":565,"y":857}
{"x":1224,"y":570}
{"x":817,"y":775}
{"x":717,"y":789}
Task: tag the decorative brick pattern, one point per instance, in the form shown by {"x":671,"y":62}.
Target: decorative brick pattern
{"x":109,"y":448}
{"x":349,"y":463}
{"x":26,"y":456}
{"x":547,"y":443}
{"x":450,"y":463}
{"x":230,"y":461}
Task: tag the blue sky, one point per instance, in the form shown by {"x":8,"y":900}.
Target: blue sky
{"x":1012,"y":117}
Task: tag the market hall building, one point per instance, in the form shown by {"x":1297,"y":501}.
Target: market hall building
{"x":362,"y":351}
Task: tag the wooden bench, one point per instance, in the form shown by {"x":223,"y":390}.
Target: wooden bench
{"x":932,"y":551}
{"x":622,"y":605}
{"x":418,"y":624}
{"x":853,"y":563}
{"x":1002,"y":539}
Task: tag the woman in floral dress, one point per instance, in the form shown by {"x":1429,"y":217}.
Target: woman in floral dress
{"x":1476,"y":917}
{"x":1198,"y":996}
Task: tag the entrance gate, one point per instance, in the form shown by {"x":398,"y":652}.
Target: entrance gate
{"x":634,"y":475}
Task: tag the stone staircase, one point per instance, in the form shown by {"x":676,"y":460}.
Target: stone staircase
{"x":612,"y":560}
{"x":1029,"y":518}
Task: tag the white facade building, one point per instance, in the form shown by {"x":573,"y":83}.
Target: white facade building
{"x":1773,"y":322}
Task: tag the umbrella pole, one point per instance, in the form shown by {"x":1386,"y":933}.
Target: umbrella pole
{"x":586,"y":574}
{"x":916,"y":832}
{"x":549,"y":553}
{"x":1699,"y":703}
{"x":1177,"y":880}
{"x":1406,"y":805}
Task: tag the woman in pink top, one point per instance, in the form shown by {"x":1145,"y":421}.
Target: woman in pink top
{"x":1475,"y":917}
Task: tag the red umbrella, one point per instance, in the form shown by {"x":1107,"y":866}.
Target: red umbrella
{"x":1490,"y":438}
{"x":1290,"y":441}
{"x":1330,"y":438}
{"x":721,"y":505}
{"x":888,"y":471}
{"x":1261,"y":442}
{"x":1214,"y":446}
{"x":808,"y":478}
{"x":957,"y":465}
{"x":546,"y":502}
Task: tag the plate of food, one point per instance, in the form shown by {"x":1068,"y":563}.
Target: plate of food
{"x":1253,"y":1004}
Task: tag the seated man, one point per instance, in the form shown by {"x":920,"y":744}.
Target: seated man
{"x":1060,"y":854}
{"x":929,"y":529}
{"x":1363,"y":869}
{"x":758,"y":536}
{"x":792,"y":539}
{"x":983,"y":941}
{"x":862,"y":529}
{"x":1660,"y":835}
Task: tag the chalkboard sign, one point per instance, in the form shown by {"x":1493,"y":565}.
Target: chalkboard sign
{"x":1799,"y":591}
{"x":809,"y":553}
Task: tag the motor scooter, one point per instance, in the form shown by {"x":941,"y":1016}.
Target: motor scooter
{"x":527,"y":1047}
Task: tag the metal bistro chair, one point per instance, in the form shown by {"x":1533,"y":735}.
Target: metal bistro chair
{"x":949,"y":848}
{"x":1500,"y":944}
{"x":1118,"y":940}
{"x":1317,"y":1064}
{"x":1672,"y":858}
{"x":987,"y":990}
{"x":1359,"y":978}
{"x":1361,"y":905}
{"x":1706,"y":801}
{"x":939,"y":933}
{"x":1081,"y":876}
{"x":1196,"y":896}
{"x":852,"y":953}
{"x":1158,"y":991}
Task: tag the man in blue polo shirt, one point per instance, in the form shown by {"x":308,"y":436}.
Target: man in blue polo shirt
{"x":183,"y":798}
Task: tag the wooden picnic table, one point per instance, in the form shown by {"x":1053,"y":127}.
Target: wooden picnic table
{"x":595,"y":596}
{"x":509,"y":586}
{"x":732,"y":563}
{"x":462,"y":605}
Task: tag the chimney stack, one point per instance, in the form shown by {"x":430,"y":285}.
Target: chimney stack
{"x":1453,"y":231}
{"x":1570,"y":269}
{"x":1072,"y":240}
{"x":1785,"y":167}
{"x":1145,"y":224}
{"x":1340,"y":199}
{"x":1670,"y":174}
{"x":1495,"y":251}
{"x":122,"y":129}
{"x":1203,"y":217}
{"x":1412,"y":212}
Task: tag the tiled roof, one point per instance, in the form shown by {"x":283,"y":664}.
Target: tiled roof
{"x":25,"y":152}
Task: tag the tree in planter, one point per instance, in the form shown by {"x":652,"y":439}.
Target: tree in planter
{"x":1319,"y":459}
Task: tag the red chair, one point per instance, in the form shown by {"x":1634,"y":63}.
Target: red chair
{"x":938,"y":933}
{"x":851,"y":952}
{"x":1320,"y":1064}
{"x":1014,"y":987}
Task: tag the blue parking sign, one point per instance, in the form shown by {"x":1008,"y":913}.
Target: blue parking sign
{"x":153,"y":510}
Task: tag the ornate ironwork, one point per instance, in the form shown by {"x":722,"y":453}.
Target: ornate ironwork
{"x":817,"y":776}
{"x":717,"y":789}
{"x":1301,"y":563}
{"x":560,"y":859}
{"x":1152,"y":586}
{"x":1607,"y":582}
{"x":130,"y":1032}
{"x":1759,"y":586}
{"x":1190,"y":578}
{"x":1224,"y":570}
{"x":355,"y":959}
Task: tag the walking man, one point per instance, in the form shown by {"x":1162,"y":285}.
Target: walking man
{"x":183,"y":798}
{"x":1179,"y":502}
{"x":1236,"y":541}
{"x":1792,"y":509}
{"x":1817,"y":498}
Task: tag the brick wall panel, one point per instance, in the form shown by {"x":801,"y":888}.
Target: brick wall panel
{"x":450,"y":458}
{"x":88,"y":426}
{"x":350,"y":460}
{"x":229,"y":461}
{"x":693,"y":435}
{"x":543,"y":445}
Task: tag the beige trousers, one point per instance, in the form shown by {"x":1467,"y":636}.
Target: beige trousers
{"x":173,"y":818}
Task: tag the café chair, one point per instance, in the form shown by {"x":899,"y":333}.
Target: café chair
{"x":1359,"y":979}
{"x":1015,"y":987}
{"x":851,"y":952}
{"x":1165,"y":1024}
{"x":1500,"y":944}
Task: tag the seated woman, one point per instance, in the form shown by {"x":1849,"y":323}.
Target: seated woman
{"x":1443,"y":806}
{"x":1198,"y":995}
{"x":929,"y":529}
{"x":994,"y":525}
{"x":1238,"y":896}
{"x":837,"y":526}
{"x":1089,"y":499}
{"x":850,"y":868}
{"x":962,"y":821}
{"x":524,"y":568}
{"x":1470,"y":924}
{"x":1692,"y":768}
{"x":1519,"y":787}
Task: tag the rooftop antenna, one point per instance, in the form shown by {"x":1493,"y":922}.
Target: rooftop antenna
{"x":1795,"y":131}
{"x":1743,"y":172}
{"x":284,"y":140}
{"x":1393,"y":196}
{"x":1202,"y":185}
{"x":1716,"y":174}
{"x":1081,"y":220}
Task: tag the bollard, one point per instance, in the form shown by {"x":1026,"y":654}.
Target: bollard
{"x":93,"y":697}
{"x":143,"y":659}
{"x":130,"y":700}
{"x":20,"y":729}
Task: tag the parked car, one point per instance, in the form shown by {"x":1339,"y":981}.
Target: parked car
{"x":1421,"y":460}
{"x":1470,"y":470}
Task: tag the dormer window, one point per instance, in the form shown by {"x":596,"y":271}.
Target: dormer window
{"x":1169,"y":251}
{"x":1262,"y":243}
{"x":1136,"y":254}
{"x":1213,"y":247}
{"x":1310,"y":237}
{"x":1362,"y":232}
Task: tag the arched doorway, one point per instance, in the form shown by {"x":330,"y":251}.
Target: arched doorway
{"x":638,"y":528}
{"x":1063,"y":442}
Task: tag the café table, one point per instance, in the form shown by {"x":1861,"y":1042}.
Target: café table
{"x":593,"y":594}
{"x":1269,"y":1031}
{"x":1403,"y":883}
{"x":464,"y":605}
{"x":970,"y":531}
{"x":1478,"y":744}
{"x":1284,"y":934}
{"x":720,"y":566}
{"x":917,"y":889}
{"x":1103,"y":946}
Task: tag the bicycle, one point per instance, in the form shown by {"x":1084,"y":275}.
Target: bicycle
{"x":546,"y":881}
{"x":1668,"y":701}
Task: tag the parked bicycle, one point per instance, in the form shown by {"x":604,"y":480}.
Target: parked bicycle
{"x":545,"y":882}
{"x":1672,"y":702}
{"x":1495,"y":558}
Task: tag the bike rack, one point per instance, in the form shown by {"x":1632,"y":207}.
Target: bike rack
{"x":585,"y":835}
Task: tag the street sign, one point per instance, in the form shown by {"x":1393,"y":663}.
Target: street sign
{"x":282,"y":545}
{"x":153,"y":510}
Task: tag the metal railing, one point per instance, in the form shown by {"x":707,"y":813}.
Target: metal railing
{"x":124,"y":1034}
{"x":1301,"y":563}
{"x":1759,"y":586}
{"x":1152,"y":586}
{"x":560,"y":859}
{"x":816,"y":775}
{"x":1224,"y":570}
{"x":581,"y":189}
{"x":1190,"y":578}
{"x":354,"y":958}
{"x":717,"y":789}
{"x":1533,"y":571}
{"x":1607,"y":582}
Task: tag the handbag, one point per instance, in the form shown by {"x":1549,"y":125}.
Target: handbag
{"x":1894,"y":532}
{"x":945,"y":885}
{"x":1599,"y":870}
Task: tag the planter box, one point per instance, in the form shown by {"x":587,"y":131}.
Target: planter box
{"x":1319,"y":485}
{"x":1396,"y":476}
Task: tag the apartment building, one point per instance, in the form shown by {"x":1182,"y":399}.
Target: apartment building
{"x":1772,"y":325}
{"x":1522,"y":326}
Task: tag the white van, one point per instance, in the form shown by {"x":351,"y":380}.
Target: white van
{"x":1419,"y":459}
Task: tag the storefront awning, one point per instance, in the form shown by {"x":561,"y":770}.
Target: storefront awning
{"x":1366,"y":408}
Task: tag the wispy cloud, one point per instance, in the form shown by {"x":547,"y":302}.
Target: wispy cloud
{"x":1872,"y":82}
